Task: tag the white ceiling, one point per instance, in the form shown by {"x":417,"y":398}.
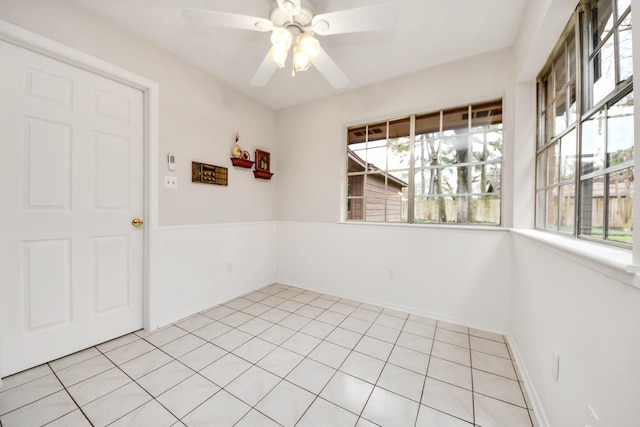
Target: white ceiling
{"x":429,"y":33}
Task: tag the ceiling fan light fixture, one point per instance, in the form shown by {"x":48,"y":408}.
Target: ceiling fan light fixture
{"x":309,"y":45}
{"x":281,"y":38}
{"x":279,"y":56}
{"x":301,"y":61}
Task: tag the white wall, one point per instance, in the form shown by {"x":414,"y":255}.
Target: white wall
{"x":591,"y":320}
{"x":454,"y":274}
{"x":448,"y":274}
{"x":202,"y":227}
{"x":193,"y":265}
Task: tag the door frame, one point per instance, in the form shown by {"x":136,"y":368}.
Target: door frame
{"x":26,"y":39}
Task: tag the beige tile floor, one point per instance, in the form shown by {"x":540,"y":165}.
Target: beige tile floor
{"x":279,"y":356}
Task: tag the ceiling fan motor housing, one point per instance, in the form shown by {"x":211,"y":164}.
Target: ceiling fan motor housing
{"x":280,"y":17}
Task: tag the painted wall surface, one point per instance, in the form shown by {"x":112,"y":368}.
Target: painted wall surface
{"x":455,"y":275}
{"x":199,"y":115}
{"x":591,"y":320}
{"x":194,"y":271}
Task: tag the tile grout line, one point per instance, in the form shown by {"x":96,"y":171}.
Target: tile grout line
{"x":473,"y":400}
{"x":426,"y":373}
{"x":70,"y":396}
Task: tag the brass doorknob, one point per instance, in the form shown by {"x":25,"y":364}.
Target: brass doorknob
{"x":137,"y":222}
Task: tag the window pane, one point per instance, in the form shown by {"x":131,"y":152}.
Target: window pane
{"x":456,"y":209}
{"x":454,"y":149}
{"x":427,"y":151}
{"x":541,"y":170}
{"x":427,"y":182}
{"x":625,"y":48}
{"x":593,"y":148}
{"x":356,"y":135}
{"x":541,"y":208}
{"x":603,"y":72}
{"x":548,"y":121}
{"x":567,"y":207}
{"x":560,"y":71}
{"x":428,"y":124}
{"x":374,"y":209}
{"x":456,"y":119}
{"x":396,"y":208}
{"x":592,"y":207}
{"x":428,"y":209}
{"x":399,"y":129}
{"x":552,"y":208}
{"x":573,"y":106}
{"x":376,"y":155}
{"x":485,"y":210}
{"x":486,"y":116}
{"x":398,"y":156}
{"x":553,"y":159}
{"x":561,"y":113}
{"x":548,"y":99}
{"x":620,"y":207}
{"x":622,"y":5}
{"x":449,"y":180}
{"x":568,"y":156}
{"x":620,"y":131}
{"x":571,"y":52}
{"x":486,"y":145}
{"x":486,"y":179}
{"x":601,"y":21}
{"x":355,"y":202}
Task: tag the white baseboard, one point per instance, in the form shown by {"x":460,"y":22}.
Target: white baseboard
{"x":523,"y":373}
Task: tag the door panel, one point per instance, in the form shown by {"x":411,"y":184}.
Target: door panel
{"x":71,"y":272}
{"x":47,"y":283}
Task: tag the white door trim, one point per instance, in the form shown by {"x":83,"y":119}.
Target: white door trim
{"x":35,"y":42}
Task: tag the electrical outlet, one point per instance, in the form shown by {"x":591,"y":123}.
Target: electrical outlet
{"x":229,"y":267}
{"x":392,"y":275}
{"x":555,"y":365}
{"x":171,"y":182}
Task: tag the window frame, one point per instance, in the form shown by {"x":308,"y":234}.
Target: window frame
{"x":578,"y":31}
{"x":473,"y":127}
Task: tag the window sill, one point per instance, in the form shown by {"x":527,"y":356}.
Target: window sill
{"x":610,"y":261}
{"x":427,"y":226}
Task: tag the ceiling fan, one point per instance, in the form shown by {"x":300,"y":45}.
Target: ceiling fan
{"x":289,"y":18}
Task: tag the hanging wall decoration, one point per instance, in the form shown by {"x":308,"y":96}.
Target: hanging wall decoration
{"x":209,"y":174}
{"x":263,"y":165}
{"x":240,"y":158}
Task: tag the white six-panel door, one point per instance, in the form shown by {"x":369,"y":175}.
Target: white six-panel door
{"x":71,"y":181}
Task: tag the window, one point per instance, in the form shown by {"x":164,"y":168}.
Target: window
{"x":441,"y":167}
{"x":584,"y":161}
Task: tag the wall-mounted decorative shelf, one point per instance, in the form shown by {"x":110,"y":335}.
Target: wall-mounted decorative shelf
{"x":209,"y":174}
{"x":241,"y":163}
{"x":263,"y":164}
{"x":262,"y":174}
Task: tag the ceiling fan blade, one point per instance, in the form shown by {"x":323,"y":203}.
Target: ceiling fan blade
{"x":368,"y":18}
{"x":225,"y":20}
{"x":264,"y":72}
{"x":330,"y":70}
